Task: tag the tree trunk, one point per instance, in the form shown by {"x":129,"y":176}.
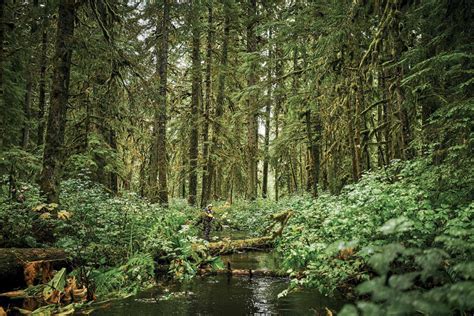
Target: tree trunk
{"x":266,"y":147}
{"x":252,"y":111}
{"x":42,"y":81}
{"x":158,"y":159}
{"x":52,"y":157}
{"x":225,"y":247}
{"x":113,"y":177}
{"x":162,"y":119}
{"x":221,"y":80}
{"x":2,"y":59}
{"x":205,"y":192}
{"x":387,"y":119}
{"x":195,"y":92}
{"x":314,"y":165}
{"x":278,"y":104}
{"x":362,"y":123}
{"x":25,"y":132}
{"x":268,"y":108}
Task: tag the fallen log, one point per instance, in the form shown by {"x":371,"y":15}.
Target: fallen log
{"x":230,"y":246}
{"x":265,"y":242}
{"x":20,"y":267}
{"x":243,"y":272}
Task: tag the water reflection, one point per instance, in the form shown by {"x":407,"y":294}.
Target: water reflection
{"x":222,"y":295}
{"x":219,"y":295}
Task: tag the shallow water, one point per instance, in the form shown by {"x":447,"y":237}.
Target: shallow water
{"x":223,"y":295}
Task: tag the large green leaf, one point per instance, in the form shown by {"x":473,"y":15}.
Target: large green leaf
{"x":57,"y":283}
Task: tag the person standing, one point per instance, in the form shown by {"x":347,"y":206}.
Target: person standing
{"x":208,"y":218}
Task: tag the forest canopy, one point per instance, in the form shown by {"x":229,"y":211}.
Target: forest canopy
{"x":219,"y":100}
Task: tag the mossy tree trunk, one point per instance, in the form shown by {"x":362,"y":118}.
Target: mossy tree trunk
{"x":195,"y":98}
{"x":206,"y":175}
{"x":54,"y":142}
{"x":214,"y":173}
{"x":158,"y":192}
{"x":252,"y":110}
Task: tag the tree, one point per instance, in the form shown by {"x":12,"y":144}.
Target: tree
{"x":42,"y":80}
{"x":2,"y":59}
{"x":206,"y":176}
{"x":216,"y":139}
{"x":195,"y":98}
{"x":335,"y":90}
{"x":252,"y":110}
{"x":268,"y":109}
{"x":159,"y":165}
{"x":53,"y":151}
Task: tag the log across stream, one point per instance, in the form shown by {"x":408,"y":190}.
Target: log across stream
{"x":274,"y":230}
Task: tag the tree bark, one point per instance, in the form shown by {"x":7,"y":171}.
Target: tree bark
{"x":366,"y":163}
{"x":225,"y":247}
{"x":268,"y":109}
{"x":162,"y":118}
{"x":243,"y":272}
{"x":52,"y":157}
{"x":252,"y":111}
{"x":195,"y":93}
{"x":219,"y":110}
{"x":42,"y":80}
{"x":25,"y":132}
{"x":158,"y":159}
{"x":266,"y":148}
{"x":2,"y":59}
{"x":278,"y":105}
{"x":314,"y":149}
{"x":113,"y":177}
{"x":206,"y":175}
{"x":229,"y":246}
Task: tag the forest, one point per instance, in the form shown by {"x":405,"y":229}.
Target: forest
{"x":236,"y":157}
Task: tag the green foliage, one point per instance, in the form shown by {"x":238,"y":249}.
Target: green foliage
{"x":135,"y":274}
{"x":406,"y":231}
{"x":428,"y":280}
{"x":57,"y":283}
{"x":19,"y":225}
{"x":99,"y":155}
{"x":103,"y":230}
{"x":18,"y":162}
{"x":115,"y":241}
{"x":252,"y":217}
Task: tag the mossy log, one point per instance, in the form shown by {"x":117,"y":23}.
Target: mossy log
{"x":265,"y":242}
{"x":230,"y":246}
{"x":13,"y":262}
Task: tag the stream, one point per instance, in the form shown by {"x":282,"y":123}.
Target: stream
{"x":223,"y":295}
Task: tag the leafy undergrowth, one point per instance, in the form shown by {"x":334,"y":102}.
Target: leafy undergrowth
{"x":115,"y":243}
{"x":402,"y":238}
